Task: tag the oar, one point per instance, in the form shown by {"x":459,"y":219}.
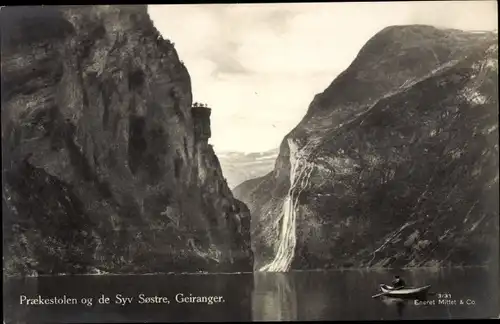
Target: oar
{"x":378,"y":295}
{"x":384,"y":293}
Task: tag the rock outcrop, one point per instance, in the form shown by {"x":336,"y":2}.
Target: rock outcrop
{"x":394,"y":165}
{"x":104,"y":169}
{"x":201,"y":118}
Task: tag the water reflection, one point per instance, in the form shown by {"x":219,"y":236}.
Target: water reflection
{"x":347,"y":295}
{"x":398,"y":303}
{"x":294,"y":296}
{"x":274,"y":297}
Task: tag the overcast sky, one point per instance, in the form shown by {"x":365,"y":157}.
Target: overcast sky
{"x":259,"y":65}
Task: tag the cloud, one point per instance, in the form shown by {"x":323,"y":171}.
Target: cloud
{"x":225,"y":59}
{"x":279,"y":19}
{"x":260,"y":65}
{"x":467,"y":15}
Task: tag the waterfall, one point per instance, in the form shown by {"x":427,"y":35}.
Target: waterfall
{"x":300,"y":172}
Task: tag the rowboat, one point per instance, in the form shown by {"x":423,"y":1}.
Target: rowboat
{"x":404,"y":292}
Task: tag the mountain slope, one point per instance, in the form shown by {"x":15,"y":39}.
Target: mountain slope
{"x":395,"y":163}
{"x":106,"y":167}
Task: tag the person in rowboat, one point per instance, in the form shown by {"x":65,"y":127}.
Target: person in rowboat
{"x":398,"y":283}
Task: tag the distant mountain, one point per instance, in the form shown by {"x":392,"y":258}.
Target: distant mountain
{"x":238,"y":167}
{"x":394,"y":165}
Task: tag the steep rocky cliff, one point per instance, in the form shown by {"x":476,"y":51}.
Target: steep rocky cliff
{"x":395,"y":164}
{"x":106,"y":168}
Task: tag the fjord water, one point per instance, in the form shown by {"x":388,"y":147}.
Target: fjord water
{"x":347,"y":295}
{"x":292,"y":296}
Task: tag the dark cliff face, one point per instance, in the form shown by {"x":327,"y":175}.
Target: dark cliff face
{"x":395,"y":163}
{"x":104,"y":168}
